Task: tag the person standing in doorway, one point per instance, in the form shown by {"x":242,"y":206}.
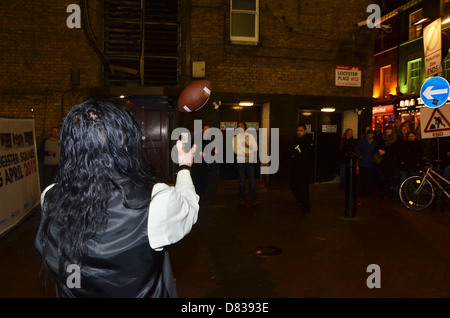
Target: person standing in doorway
{"x":200,"y":171}
{"x":245,"y":147}
{"x":301,"y":167}
{"x":49,"y":153}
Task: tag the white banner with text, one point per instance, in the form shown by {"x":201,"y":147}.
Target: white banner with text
{"x":19,"y":173}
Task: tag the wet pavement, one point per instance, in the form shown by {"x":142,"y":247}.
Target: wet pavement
{"x":273,"y":251}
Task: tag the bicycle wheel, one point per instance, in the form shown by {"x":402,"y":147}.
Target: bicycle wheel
{"x":416,"y":194}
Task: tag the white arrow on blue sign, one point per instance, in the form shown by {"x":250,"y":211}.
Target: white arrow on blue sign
{"x":435,"y":92}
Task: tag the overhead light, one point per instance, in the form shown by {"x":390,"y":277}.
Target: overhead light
{"x":420,"y":21}
{"x":236,"y":107}
{"x":446,"y":21}
{"x":328,"y":109}
{"x":246,"y":103}
{"x":306,"y":113}
{"x":122,"y":96}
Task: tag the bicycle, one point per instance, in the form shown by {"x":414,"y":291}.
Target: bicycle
{"x":417,"y":192}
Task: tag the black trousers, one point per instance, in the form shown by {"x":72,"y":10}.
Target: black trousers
{"x":199,"y":173}
{"x":300,"y":189}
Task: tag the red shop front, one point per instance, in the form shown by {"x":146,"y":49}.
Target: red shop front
{"x":383,"y":114}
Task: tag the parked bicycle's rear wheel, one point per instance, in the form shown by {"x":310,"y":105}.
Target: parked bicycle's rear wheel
{"x":416,"y":193}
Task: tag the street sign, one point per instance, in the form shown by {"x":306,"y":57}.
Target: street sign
{"x":432,"y":44}
{"x":435,"y":92}
{"x":348,"y":76}
{"x":435,"y":122}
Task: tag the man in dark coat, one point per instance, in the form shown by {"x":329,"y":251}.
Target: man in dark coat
{"x":410,"y":157}
{"x":301,"y":168}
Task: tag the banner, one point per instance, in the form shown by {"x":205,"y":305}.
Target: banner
{"x":19,"y":173}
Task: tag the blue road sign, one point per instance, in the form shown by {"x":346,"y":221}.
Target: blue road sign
{"x":435,"y":92}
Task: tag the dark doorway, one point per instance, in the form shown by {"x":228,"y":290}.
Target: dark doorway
{"x":326,"y":130}
{"x":234,"y":114}
{"x":152,"y":114}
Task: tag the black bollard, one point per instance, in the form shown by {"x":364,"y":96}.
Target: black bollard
{"x":350,"y":188}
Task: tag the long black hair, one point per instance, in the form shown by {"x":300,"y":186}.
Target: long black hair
{"x":101,"y":143}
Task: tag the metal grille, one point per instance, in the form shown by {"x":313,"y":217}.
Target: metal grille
{"x":152,"y":61}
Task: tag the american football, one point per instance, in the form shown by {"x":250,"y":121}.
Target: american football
{"x":194,"y":96}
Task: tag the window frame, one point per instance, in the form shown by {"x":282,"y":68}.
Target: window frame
{"x":385,"y":91}
{"x":415,"y":31}
{"x":245,"y":39}
{"x":446,"y":67}
{"x":419,"y":77}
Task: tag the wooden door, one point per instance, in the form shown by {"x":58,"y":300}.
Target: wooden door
{"x":152,"y":114}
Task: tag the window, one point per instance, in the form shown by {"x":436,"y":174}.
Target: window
{"x":244,"y":21}
{"x":446,"y":67}
{"x":415,"y":31}
{"x":446,"y":9}
{"x":385,"y":78}
{"x":414,"y":76}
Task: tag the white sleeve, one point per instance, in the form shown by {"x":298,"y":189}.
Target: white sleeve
{"x":253,"y":143}
{"x":172,"y":211}
{"x":44,"y":192}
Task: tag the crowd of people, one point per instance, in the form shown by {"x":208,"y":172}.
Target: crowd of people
{"x":102,"y":190}
{"x":386,"y":156}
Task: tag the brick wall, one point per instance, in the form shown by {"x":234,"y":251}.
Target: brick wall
{"x":293,"y":65}
{"x":300,"y":44}
{"x":37,"y":55}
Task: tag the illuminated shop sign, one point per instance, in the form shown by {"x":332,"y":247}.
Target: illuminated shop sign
{"x":383,"y":110}
{"x":410,"y":102}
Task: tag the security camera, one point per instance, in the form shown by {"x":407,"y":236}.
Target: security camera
{"x":361,"y":23}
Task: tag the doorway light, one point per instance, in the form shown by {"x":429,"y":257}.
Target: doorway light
{"x":328,"y":109}
{"x":246,"y":103}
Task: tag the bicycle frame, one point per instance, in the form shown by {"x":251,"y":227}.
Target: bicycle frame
{"x":429,"y":174}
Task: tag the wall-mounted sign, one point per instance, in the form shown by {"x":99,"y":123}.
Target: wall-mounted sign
{"x":251,"y":124}
{"x":228,"y":125}
{"x":348,"y":76}
{"x":329,"y":128}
